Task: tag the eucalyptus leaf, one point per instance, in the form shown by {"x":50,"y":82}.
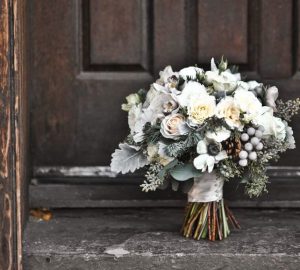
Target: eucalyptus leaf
{"x":183,"y":172}
{"x":127,"y":159}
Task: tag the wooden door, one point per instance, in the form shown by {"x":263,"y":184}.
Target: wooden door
{"x":86,"y":56}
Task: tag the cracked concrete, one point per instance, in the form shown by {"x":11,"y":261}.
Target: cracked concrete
{"x":149,"y":239}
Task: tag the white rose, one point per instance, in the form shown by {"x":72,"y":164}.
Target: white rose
{"x":191,"y":91}
{"x":228,"y":110}
{"x":248,"y":103}
{"x":273,"y":126}
{"x":201,"y":109}
{"x":173,"y":126}
{"x":190,"y":72}
{"x":224,"y":81}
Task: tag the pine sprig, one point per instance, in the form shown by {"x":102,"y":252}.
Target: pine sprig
{"x":151,"y":133}
{"x":177,"y":149}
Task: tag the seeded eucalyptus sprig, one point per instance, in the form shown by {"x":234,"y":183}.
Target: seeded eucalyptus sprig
{"x":286,"y":110}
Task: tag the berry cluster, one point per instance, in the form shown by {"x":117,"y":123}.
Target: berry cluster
{"x":251,"y":142}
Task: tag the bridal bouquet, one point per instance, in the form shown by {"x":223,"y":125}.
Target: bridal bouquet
{"x":195,"y":129}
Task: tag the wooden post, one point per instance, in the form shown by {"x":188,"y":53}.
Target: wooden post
{"x":13,"y":133}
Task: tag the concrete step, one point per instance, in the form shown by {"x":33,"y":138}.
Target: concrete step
{"x":149,"y":239}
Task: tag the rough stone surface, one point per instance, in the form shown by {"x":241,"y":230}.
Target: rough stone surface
{"x":149,"y":239}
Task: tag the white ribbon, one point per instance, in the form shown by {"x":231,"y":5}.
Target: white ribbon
{"x":207,"y":188}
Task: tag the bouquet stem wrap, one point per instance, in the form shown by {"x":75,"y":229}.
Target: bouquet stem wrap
{"x":207,"y":188}
{"x":207,"y":215}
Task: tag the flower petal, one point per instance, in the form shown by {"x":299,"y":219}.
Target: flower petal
{"x":210,"y":161}
{"x":200,"y":162}
{"x":219,"y":135}
{"x":202,"y":147}
{"x":221,"y":155}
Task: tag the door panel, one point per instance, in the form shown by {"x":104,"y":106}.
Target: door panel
{"x":87,"y":56}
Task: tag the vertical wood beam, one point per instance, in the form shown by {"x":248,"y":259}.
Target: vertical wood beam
{"x":13,"y":125}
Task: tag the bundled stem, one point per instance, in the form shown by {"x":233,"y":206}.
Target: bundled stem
{"x":208,"y":220}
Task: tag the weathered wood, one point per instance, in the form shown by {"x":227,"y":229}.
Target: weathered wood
{"x":149,"y":239}
{"x":13,"y":126}
{"x":67,"y":191}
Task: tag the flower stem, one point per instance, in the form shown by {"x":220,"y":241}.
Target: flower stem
{"x":208,"y":221}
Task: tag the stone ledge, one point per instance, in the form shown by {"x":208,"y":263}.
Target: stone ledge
{"x":149,"y":239}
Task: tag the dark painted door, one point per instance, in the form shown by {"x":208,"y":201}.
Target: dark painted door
{"x":86,"y":56}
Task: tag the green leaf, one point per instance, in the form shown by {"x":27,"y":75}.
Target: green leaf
{"x":183,"y":172}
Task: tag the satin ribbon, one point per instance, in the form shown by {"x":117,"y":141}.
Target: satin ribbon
{"x":207,"y":188}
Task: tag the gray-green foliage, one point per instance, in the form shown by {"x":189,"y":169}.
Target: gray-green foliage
{"x":127,"y":158}
{"x":183,"y":172}
{"x":177,"y":149}
{"x":257,"y":178}
{"x":154,"y":178}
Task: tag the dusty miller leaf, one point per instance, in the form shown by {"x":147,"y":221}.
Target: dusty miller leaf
{"x":183,"y":172}
{"x":127,"y":159}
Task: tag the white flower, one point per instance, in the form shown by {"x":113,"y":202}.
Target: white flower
{"x":166,"y":74}
{"x":191,"y":91}
{"x":190,"y":72}
{"x":224,"y":81}
{"x":228,"y":110}
{"x":173,"y":126}
{"x":271,"y":97}
{"x":165,"y":89}
{"x":168,"y":81}
{"x":210,"y":153}
{"x":201,"y":109}
{"x":151,"y":94}
{"x":289,"y":136}
{"x":219,"y":135}
{"x":242,"y":86}
{"x":248,"y":103}
{"x":132,"y":100}
{"x":150,"y":114}
{"x":253,"y":84}
{"x":273,"y":126}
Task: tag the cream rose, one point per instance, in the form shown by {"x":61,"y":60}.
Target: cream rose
{"x":201,"y":109}
{"x":228,"y":110}
{"x":173,"y":126}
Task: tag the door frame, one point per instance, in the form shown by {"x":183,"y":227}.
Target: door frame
{"x":13,"y":132}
